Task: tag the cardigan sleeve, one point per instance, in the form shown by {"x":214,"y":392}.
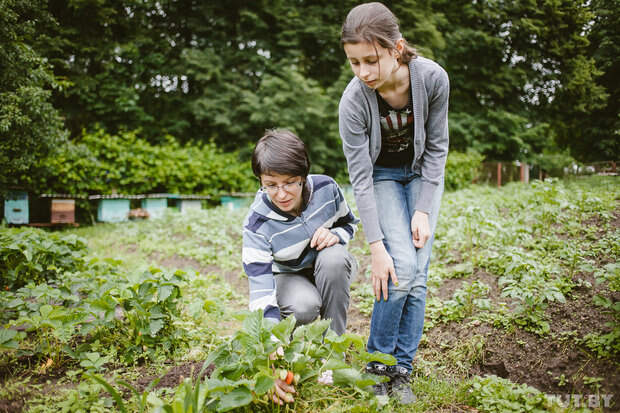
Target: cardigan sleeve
{"x":346,"y":223}
{"x":437,"y":141}
{"x":355,"y":140}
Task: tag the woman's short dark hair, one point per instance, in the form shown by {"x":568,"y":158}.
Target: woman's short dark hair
{"x":280,"y":151}
{"x":374,"y":22}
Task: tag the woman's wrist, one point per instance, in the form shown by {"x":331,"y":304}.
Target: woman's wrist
{"x":377,"y":247}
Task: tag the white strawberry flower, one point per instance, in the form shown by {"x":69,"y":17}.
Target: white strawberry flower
{"x":326,"y":377}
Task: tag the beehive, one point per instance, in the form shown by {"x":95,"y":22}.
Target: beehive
{"x":16,"y":207}
{"x":156,"y":207}
{"x":185,"y":205}
{"x":234,"y":203}
{"x":113,"y":210}
{"x":63,"y":211}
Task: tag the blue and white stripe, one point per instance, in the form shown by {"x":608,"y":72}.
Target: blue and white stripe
{"x":274,"y":241}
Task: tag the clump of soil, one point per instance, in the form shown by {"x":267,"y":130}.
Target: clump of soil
{"x":176,"y":375}
{"x":13,"y":406}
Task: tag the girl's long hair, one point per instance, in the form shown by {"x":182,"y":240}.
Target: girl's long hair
{"x":375,"y":23}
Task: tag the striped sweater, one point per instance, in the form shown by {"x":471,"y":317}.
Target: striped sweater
{"x":274,"y":241}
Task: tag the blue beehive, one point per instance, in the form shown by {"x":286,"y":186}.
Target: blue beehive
{"x":113,"y":210}
{"x":16,"y":207}
{"x":156,"y":207}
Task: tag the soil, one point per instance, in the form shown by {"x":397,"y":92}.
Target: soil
{"x":175,"y":376}
{"x":14,"y":406}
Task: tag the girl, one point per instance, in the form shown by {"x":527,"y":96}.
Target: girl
{"x":393,"y":120}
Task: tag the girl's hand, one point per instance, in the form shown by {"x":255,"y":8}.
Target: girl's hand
{"x":283,"y":393}
{"x":382,"y":267}
{"x":323,"y":238}
{"x":420,"y":230}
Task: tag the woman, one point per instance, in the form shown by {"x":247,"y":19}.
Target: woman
{"x":294,"y":240}
{"x":393,"y":120}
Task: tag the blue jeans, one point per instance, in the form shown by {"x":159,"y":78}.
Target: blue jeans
{"x":396,"y":325}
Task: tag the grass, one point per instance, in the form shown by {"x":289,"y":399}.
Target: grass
{"x":535,"y":241}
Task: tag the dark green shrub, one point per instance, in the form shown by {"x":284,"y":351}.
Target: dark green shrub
{"x":125,"y":163}
{"x":29,"y":254}
{"x":462,"y":169}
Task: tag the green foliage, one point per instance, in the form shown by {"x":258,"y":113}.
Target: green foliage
{"x":538,"y":81}
{"x":553,"y":163}
{"x":93,"y":307}
{"x":494,"y":394}
{"x":548,"y":78}
{"x":85,"y":397}
{"x":364,"y":297}
{"x":465,"y":301}
{"x":533,"y":239}
{"x":125,"y":163}
{"x":462,"y":169}
{"x":33,"y":255}
{"x":247,"y":361}
{"x":30,"y":127}
{"x":602,"y":122}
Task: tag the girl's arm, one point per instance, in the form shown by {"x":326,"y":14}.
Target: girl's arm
{"x":354,"y":134}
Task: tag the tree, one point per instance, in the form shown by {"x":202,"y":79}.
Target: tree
{"x":519,"y":72}
{"x":596,"y":134}
{"x":30,"y":128}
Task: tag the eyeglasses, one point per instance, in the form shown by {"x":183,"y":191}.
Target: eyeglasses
{"x":290,"y":187}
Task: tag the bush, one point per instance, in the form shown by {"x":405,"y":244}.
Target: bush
{"x":34,"y":255}
{"x":462,"y":169}
{"x":127,"y":164}
{"x":554,"y":163}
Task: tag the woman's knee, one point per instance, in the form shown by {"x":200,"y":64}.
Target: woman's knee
{"x":334,"y":263}
{"x":306,"y":311}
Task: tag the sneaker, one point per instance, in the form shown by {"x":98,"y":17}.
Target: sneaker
{"x":400,"y":385}
{"x":378,"y":369}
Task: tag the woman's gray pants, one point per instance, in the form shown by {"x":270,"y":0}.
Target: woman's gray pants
{"x":324,"y":291}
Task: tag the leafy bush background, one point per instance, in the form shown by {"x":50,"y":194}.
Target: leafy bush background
{"x":462,"y":169}
{"x":125,"y":163}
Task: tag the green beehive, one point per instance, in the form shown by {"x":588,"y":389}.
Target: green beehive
{"x":16,"y":207}
{"x":113,"y":210}
{"x":156,"y":207}
{"x":235,"y":203}
{"x":185,"y":205}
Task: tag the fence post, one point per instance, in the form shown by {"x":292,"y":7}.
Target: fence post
{"x":525,"y":173}
{"x":499,"y":174}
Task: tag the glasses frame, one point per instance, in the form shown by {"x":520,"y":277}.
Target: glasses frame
{"x":274,"y":189}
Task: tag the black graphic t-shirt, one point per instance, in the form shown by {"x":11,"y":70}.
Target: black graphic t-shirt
{"x":396,"y":134}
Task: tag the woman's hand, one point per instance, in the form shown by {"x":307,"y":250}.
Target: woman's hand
{"x":382,"y":267}
{"x":323,"y":238}
{"x":420,"y":230}
{"x":282,"y":392}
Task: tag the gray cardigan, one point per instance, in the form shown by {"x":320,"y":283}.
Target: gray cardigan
{"x":360,"y":131}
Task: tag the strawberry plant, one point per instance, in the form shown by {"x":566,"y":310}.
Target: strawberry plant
{"x":132,"y":315}
{"x":248,"y":363}
{"x":29,"y":254}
